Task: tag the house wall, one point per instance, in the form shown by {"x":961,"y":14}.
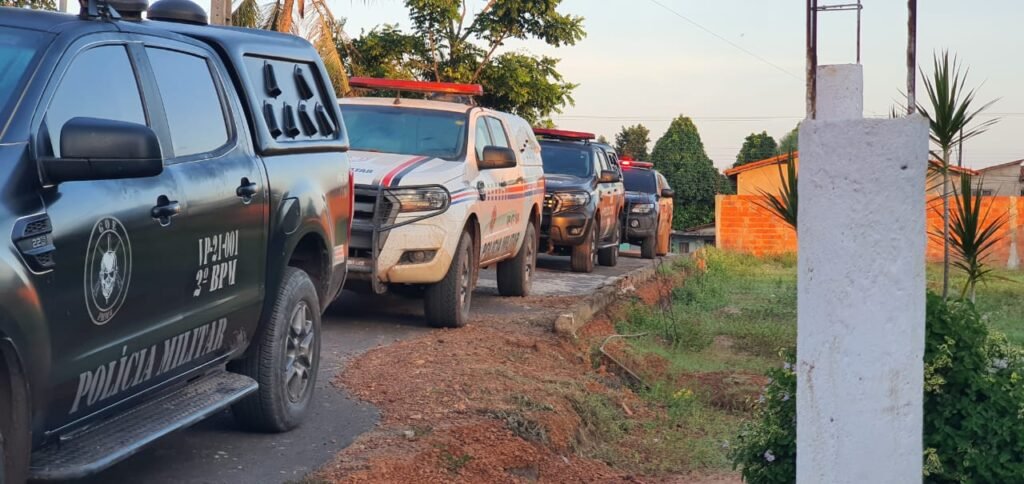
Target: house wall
{"x":742,"y":225}
{"x":1004,"y":181}
{"x":765,"y":178}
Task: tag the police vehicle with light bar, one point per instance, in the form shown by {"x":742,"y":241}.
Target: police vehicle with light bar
{"x":178,"y":203}
{"x":443,"y":189}
{"x":584,"y":200}
{"x":649,"y":208}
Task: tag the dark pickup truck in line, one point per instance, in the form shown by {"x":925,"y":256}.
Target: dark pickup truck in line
{"x":178,"y":202}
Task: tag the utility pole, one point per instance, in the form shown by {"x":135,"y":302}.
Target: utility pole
{"x":220,"y":12}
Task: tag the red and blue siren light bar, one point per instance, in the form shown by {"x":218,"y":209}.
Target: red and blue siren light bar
{"x":416,"y":86}
{"x":563,"y":134}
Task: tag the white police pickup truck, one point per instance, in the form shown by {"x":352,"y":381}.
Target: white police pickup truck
{"x":443,"y":188}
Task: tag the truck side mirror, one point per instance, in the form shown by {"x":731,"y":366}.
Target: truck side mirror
{"x":103,"y":149}
{"x":609,"y":176}
{"x":668,"y":192}
{"x":496,"y":157}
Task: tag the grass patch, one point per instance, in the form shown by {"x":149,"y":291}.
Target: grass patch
{"x":454,"y":463}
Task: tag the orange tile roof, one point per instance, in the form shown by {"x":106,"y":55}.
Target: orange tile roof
{"x":781,"y":158}
{"x":758,"y":164}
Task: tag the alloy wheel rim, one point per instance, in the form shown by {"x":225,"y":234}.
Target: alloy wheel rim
{"x":593,"y":245}
{"x":299,"y":352}
{"x":464,"y":277}
{"x":530,"y":257}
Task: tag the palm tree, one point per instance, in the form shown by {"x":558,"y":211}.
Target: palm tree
{"x":953,"y":111}
{"x":310,"y":19}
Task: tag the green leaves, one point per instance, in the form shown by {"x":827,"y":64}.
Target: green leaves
{"x":784,"y":203}
{"x":632,"y":141}
{"x":953,"y":105}
{"x":973,"y":234}
{"x":756,"y":147}
{"x":679,"y":155}
{"x":32,"y":4}
{"x":765,"y":450}
{"x":526,"y":85}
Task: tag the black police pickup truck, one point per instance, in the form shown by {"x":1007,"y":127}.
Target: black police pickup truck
{"x":584,"y":198}
{"x":177,"y":199}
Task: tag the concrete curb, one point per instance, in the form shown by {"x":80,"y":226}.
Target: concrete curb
{"x":570,"y":321}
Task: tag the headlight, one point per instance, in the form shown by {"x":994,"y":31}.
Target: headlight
{"x":642,"y":208}
{"x":571,"y":200}
{"x":422,"y":199}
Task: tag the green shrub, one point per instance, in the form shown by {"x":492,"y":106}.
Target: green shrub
{"x":765,"y":450}
{"x":973,"y":399}
{"x":973,"y":407}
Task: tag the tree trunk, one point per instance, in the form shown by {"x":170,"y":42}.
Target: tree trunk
{"x":945,"y":224}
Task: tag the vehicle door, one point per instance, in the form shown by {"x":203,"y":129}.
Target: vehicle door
{"x":492,"y":186}
{"x":110,"y":294}
{"x":515,"y":208}
{"x":610,"y":193}
{"x":225,"y":203}
{"x":665,"y":214}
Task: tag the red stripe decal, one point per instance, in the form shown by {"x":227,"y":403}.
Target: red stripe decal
{"x":386,"y":181}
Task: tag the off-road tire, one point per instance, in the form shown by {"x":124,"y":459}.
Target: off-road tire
{"x":609,"y":256}
{"x":647,"y":247}
{"x":15,"y":445}
{"x":515,"y":275}
{"x":274,"y":407}
{"x":446,"y":303}
{"x":583,"y":255}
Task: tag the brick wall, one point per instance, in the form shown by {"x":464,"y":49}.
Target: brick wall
{"x":743,"y":225}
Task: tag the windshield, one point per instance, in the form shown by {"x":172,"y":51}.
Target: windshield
{"x":567,"y":159}
{"x":18,"y":51}
{"x":639,"y":181}
{"x":422,"y":132}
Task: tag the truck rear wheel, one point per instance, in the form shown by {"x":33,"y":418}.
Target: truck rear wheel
{"x":609,"y":256}
{"x":583,"y":255}
{"x":284,"y":360}
{"x":447,"y":303}
{"x":647,"y":247}
{"x":515,"y":276}
{"x":15,"y":445}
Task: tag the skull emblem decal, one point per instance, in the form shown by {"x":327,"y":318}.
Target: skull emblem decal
{"x":108,"y":264}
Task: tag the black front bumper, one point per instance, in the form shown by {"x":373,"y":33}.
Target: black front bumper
{"x":559,"y":229}
{"x":641,"y":226}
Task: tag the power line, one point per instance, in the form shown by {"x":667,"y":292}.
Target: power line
{"x":723,"y":39}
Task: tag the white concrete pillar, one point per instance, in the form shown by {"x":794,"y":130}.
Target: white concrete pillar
{"x":861,"y":286}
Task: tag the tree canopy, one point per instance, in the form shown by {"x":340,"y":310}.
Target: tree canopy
{"x":33,"y":4}
{"x":450,"y":44}
{"x":790,"y":142}
{"x":756,"y":147}
{"x":632,"y":141}
{"x":679,"y":154}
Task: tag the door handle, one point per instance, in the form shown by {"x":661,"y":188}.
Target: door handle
{"x":247,"y":190}
{"x":481,"y":191}
{"x":164,"y":210}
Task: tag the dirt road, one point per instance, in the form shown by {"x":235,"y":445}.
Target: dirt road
{"x":215,"y":451}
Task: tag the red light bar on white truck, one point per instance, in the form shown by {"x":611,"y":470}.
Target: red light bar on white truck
{"x":563,"y":134}
{"x":417,"y":86}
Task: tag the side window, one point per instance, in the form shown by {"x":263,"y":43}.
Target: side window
{"x":195,"y":113}
{"x":497,"y":132}
{"x":662,"y":182}
{"x":602,"y":160}
{"x":483,"y":137}
{"x":99,"y":84}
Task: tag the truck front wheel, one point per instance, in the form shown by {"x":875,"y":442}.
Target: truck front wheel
{"x":15,"y":444}
{"x":647,"y":247}
{"x":583,"y":255}
{"x":515,"y":275}
{"x":285,"y":358}
{"x":446,"y":303}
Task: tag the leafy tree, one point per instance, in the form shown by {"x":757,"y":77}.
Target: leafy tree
{"x":789,"y":142}
{"x":633,"y":141}
{"x":952,"y":112}
{"x":447,"y":43}
{"x":784,"y":203}
{"x":602,"y":139}
{"x":33,"y":4}
{"x":679,"y":155}
{"x":756,"y":147}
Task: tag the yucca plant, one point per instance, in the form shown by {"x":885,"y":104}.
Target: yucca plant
{"x":973,"y":234}
{"x":784,"y":203}
{"x":951,"y":119}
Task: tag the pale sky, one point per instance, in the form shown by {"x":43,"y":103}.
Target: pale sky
{"x":642,"y":63}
